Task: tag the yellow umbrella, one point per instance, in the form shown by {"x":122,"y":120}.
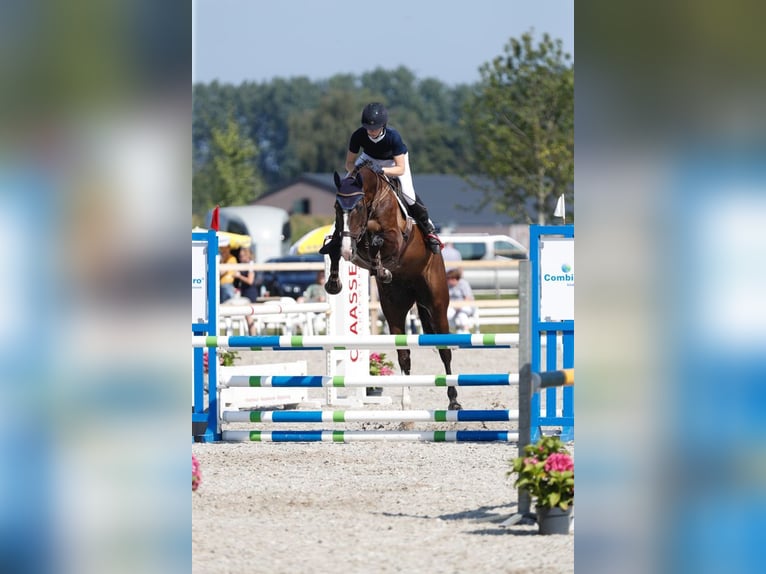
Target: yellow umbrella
{"x":236,"y":240}
{"x":312,"y":241}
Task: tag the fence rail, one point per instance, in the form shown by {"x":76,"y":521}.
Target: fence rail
{"x":318,"y":265}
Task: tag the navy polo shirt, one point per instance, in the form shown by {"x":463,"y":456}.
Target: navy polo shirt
{"x":390,"y":146}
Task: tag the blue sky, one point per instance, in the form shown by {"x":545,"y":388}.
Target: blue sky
{"x":255,"y":40}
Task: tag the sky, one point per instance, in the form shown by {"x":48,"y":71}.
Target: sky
{"x":257,"y":40}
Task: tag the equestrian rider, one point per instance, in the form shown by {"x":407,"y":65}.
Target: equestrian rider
{"x":383,"y":146}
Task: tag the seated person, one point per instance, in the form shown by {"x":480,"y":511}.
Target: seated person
{"x":226,"y":281}
{"x":315,"y":293}
{"x":247,"y":281}
{"x":460,"y":318}
{"x":249,"y":285}
{"x":451,"y":256}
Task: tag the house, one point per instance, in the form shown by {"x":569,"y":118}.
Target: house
{"x":449,"y":199}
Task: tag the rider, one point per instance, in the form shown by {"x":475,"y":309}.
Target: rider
{"x":383,"y":146}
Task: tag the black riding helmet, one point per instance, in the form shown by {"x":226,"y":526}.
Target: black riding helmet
{"x":374,"y":116}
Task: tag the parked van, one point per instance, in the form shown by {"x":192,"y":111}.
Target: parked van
{"x":488,"y":247}
{"x":269,"y":228}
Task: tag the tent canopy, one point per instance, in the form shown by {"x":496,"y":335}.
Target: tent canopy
{"x":312,"y":241}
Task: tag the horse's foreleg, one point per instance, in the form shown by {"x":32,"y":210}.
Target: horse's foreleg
{"x":333,"y":285}
{"x":377,"y":265}
{"x":381,"y":272}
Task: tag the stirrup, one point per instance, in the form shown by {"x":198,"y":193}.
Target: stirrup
{"x":434,"y":242}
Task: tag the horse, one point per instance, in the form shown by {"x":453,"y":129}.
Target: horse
{"x":373,"y":231}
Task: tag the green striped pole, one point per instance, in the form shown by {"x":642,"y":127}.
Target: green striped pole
{"x":360,"y":436}
{"x":346,"y":416}
{"x":227,"y":379}
{"x":459,"y":341}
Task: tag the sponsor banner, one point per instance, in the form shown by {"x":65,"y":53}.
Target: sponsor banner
{"x":557,"y":279}
{"x":350,"y":315}
{"x":199,"y":282}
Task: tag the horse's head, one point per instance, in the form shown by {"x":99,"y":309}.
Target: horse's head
{"x":352,"y":200}
{"x":350,"y":192}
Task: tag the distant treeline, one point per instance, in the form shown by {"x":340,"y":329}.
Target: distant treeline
{"x":302,"y":126}
{"x":250,"y":138}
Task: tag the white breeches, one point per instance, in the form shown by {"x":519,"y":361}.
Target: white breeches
{"x":408,"y":189}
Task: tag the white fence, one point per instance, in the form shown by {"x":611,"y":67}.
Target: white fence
{"x":309,"y":321}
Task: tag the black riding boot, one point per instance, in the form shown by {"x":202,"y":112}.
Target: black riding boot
{"x":419,"y":213}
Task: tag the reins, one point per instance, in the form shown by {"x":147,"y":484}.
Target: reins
{"x":379,"y":195}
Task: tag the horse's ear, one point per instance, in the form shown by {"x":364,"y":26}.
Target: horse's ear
{"x":337,"y":179}
{"x":358,"y":180}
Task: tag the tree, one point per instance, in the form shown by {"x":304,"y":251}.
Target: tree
{"x":229,"y":176}
{"x":319,"y":136}
{"x":521,"y":121}
{"x":298,"y":125}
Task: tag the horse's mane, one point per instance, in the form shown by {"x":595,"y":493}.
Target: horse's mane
{"x":383,"y":183}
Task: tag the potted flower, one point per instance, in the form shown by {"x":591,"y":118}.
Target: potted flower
{"x":546,"y":472}
{"x":225,"y":358}
{"x":379,"y":366}
{"x":196,"y":475}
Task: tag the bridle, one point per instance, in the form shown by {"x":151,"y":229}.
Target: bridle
{"x":356,"y":198}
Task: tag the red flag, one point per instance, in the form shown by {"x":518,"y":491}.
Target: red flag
{"x":214,"y":220}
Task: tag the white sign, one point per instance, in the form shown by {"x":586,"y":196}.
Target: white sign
{"x":199,"y":282}
{"x":556,"y":279}
{"x":349,"y":315}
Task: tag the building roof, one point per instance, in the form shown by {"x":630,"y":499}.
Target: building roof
{"x":450,"y":200}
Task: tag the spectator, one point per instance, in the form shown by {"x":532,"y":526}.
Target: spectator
{"x":249,"y":284}
{"x":247,"y":281}
{"x":315,"y":292}
{"x":460,"y":318}
{"x":227,"y":277}
{"x":451,"y":255}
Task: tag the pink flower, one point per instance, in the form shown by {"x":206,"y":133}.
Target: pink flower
{"x":196,"y":476}
{"x":385,"y":371}
{"x":560,"y":462}
{"x":375,"y":357}
{"x":531,"y":461}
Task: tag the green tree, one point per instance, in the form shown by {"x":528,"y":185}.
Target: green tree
{"x":521,"y":121}
{"x":299,"y":125}
{"x":319,"y":136}
{"x":229,"y":176}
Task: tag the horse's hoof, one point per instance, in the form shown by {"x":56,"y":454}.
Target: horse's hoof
{"x":386,"y":276}
{"x":333,"y":286}
{"x":455,"y":406}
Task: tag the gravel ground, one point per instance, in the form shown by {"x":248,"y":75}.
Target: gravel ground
{"x":371,"y":507}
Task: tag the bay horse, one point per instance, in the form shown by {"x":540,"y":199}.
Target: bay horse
{"x":373,"y":232}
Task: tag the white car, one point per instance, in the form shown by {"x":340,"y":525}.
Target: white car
{"x":488,"y":247}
